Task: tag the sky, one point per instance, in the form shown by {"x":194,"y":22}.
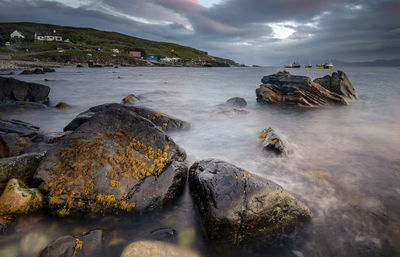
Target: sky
{"x":262,"y":32}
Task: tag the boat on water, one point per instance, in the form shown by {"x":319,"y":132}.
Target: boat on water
{"x":296,"y":65}
{"x":288,"y":66}
{"x":320,"y":66}
{"x":328,"y":65}
{"x":308,"y":66}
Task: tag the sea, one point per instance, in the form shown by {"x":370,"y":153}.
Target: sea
{"x":344,"y":163}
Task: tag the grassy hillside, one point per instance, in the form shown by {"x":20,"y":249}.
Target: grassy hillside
{"x":87,"y":39}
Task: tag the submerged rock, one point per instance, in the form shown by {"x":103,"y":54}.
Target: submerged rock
{"x":86,"y":245}
{"x":161,"y":120}
{"x":156,"y":249}
{"x":32,"y":243}
{"x":241,"y":210}
{"x":237,"y":102}
{"x":271,"y":141}
{"x":233,"y":106}
{"x":30,"y":72}
{"x":16,"y":90}
{"x":339,"y":84}
{"x":130,"y":99}
{"x":62,"y":105}
{"x":113,"y":162}
{"x":285,"y":89}
{"x":17,"y":198}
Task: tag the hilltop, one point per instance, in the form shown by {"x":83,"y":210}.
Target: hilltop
{"x":97,"y":43}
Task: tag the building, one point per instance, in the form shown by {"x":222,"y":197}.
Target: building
{"x":52,"y":35}
{"x":17,"y":34}
{"x":115,"y":51}
{"x":135,"y":54}
{"x":152,"y":58}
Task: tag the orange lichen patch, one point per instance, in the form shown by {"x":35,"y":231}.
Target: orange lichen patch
{"x":128,"y":99}
{"x":159,"y":127}
{"x":165,"y":124}
{"x":273,"y":141}
{"x":123,"y":205}
{"x":78,"y":245}
{"x":262,"y":137}
{"x":105,"y":199}
{"x":158,"y":115}
{"x":63,"y":212}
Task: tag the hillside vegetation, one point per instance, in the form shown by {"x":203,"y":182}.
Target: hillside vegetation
{"x":84,"y":40}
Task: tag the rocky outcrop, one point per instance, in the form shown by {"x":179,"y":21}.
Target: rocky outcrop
{"x":21,"y":128}
{"x":115,"y":162}
{"x":31,"y":72}
{"x":17,"y":198}
{"x":16,"y":90}
{"x":161,"y":120}
{"x":237,"y":102}
{"x":240,"y":209}
{"x":283,"y":88}
{"x":272,"y":142}
{"x":88,"y":245}
{"x":156,"y":249}
{"x":22,"y":167}
{"x":339,"y":84}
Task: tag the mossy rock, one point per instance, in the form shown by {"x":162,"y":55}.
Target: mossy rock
{"x":242,"y":210}
{"x":62,"y":105}
{"x":17,"y":198}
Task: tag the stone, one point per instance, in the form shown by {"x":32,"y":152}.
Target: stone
{"x":32,"y":243}
{"x":62,"y":105}
{"x":21,"y":106}
{"x":87,"y":245}
{"x":47,"y":69}
{"x":115,"y":162}
{"x":161,"y":120}
{"x":12,"y":90}
{"x":283,"y":88}
{"x":237,"y":102}
{"x":21,"y":128}
{"x":156,"y":249}
{"x":30,"y":72}
{"x":242,"y":210}
{"x":339,"y":84}
{"x":5,"y":222}
{"x":130,"y":99}
{"x":272,"y":142}
{"x":17,"y":198}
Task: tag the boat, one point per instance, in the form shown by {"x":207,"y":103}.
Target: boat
{"x":328,"y":65}
{"x":320,"y":66}
{"x":288,"y":66}
{"x":308,"y":66}
{"x":296,"y":65}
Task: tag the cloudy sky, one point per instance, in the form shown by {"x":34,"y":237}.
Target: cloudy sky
{"x":262,"y":32}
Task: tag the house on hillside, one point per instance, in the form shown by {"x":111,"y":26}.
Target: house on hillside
{"x":52,"y":35}
{"x":135,"y":54}
{"x":17,"y":34}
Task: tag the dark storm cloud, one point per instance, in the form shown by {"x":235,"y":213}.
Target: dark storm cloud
{"x":239,"y":29}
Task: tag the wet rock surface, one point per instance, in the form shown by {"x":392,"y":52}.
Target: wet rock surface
{"x":241,"y":210}
{"x":283,"y":88}
{"x":86,"y":245}
{"x":16,"y":90}
{"x":273,"y":142}
{"x":237,"y":102}
{"x":339,"y":84}
{"x":162,"y":121}
{"x":115,"y":162}
{"x":31,"y":72}
{"x":17,"y":198}
{"x":156,"y":249}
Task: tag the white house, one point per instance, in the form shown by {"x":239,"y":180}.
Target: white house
{"x":53,"y":35}
{"x":17,"y":34}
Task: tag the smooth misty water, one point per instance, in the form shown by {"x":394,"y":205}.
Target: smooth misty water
{"x":345,"y":164}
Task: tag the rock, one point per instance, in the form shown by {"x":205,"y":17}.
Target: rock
{"x":162,"y":121}
{"x":21,"y":128}
{"x":21,"y":106}
{"x":47,"y":69}
{"x":17,"y":198}
{"x":339,"y":84}
{"x":62,"y":105}
{"x":5,"y":222}
{"x":113,"y":162}
{"x":79,"y":66}
{"x":30,"y":72}
{"x":271,"y":141}
{"x":32,"y":243}
{"x":242,"y":210}
{"x":164,"y":234}
{"x":86,"y":245}
{"x":130,"y":99}
{"x":156,"y":249}
{"x":283,"y":88}
{"x":22,"y":167}
{"x":16,"y":90}
{"x":237,"y":102}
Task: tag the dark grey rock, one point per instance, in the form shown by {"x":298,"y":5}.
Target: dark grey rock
{"x":339,"y":84}
{"x":240,"y":209}
{"x":283,"y":88}
{"x":16,"y":90}
{"x":272,"y":142}
{"x":237,"y":102}
{"x":22,"y":167}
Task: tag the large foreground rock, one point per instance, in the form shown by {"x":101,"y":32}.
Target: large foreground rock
{"x":339,"y":84}
{"x":156,"y":249}
{"x":161,"y":120}
{"x":240,"y":209}
{"x":16,"y":90}
{"x":283,"y":88}
{"x":112,"y":163}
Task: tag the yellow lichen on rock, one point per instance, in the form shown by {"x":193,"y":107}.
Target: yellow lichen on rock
{"x":273,"y":141}
{"x":105,"y":199}
{"x":123,"y":205}
{"x":262,"y":137}
{"x":78,"y":245}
